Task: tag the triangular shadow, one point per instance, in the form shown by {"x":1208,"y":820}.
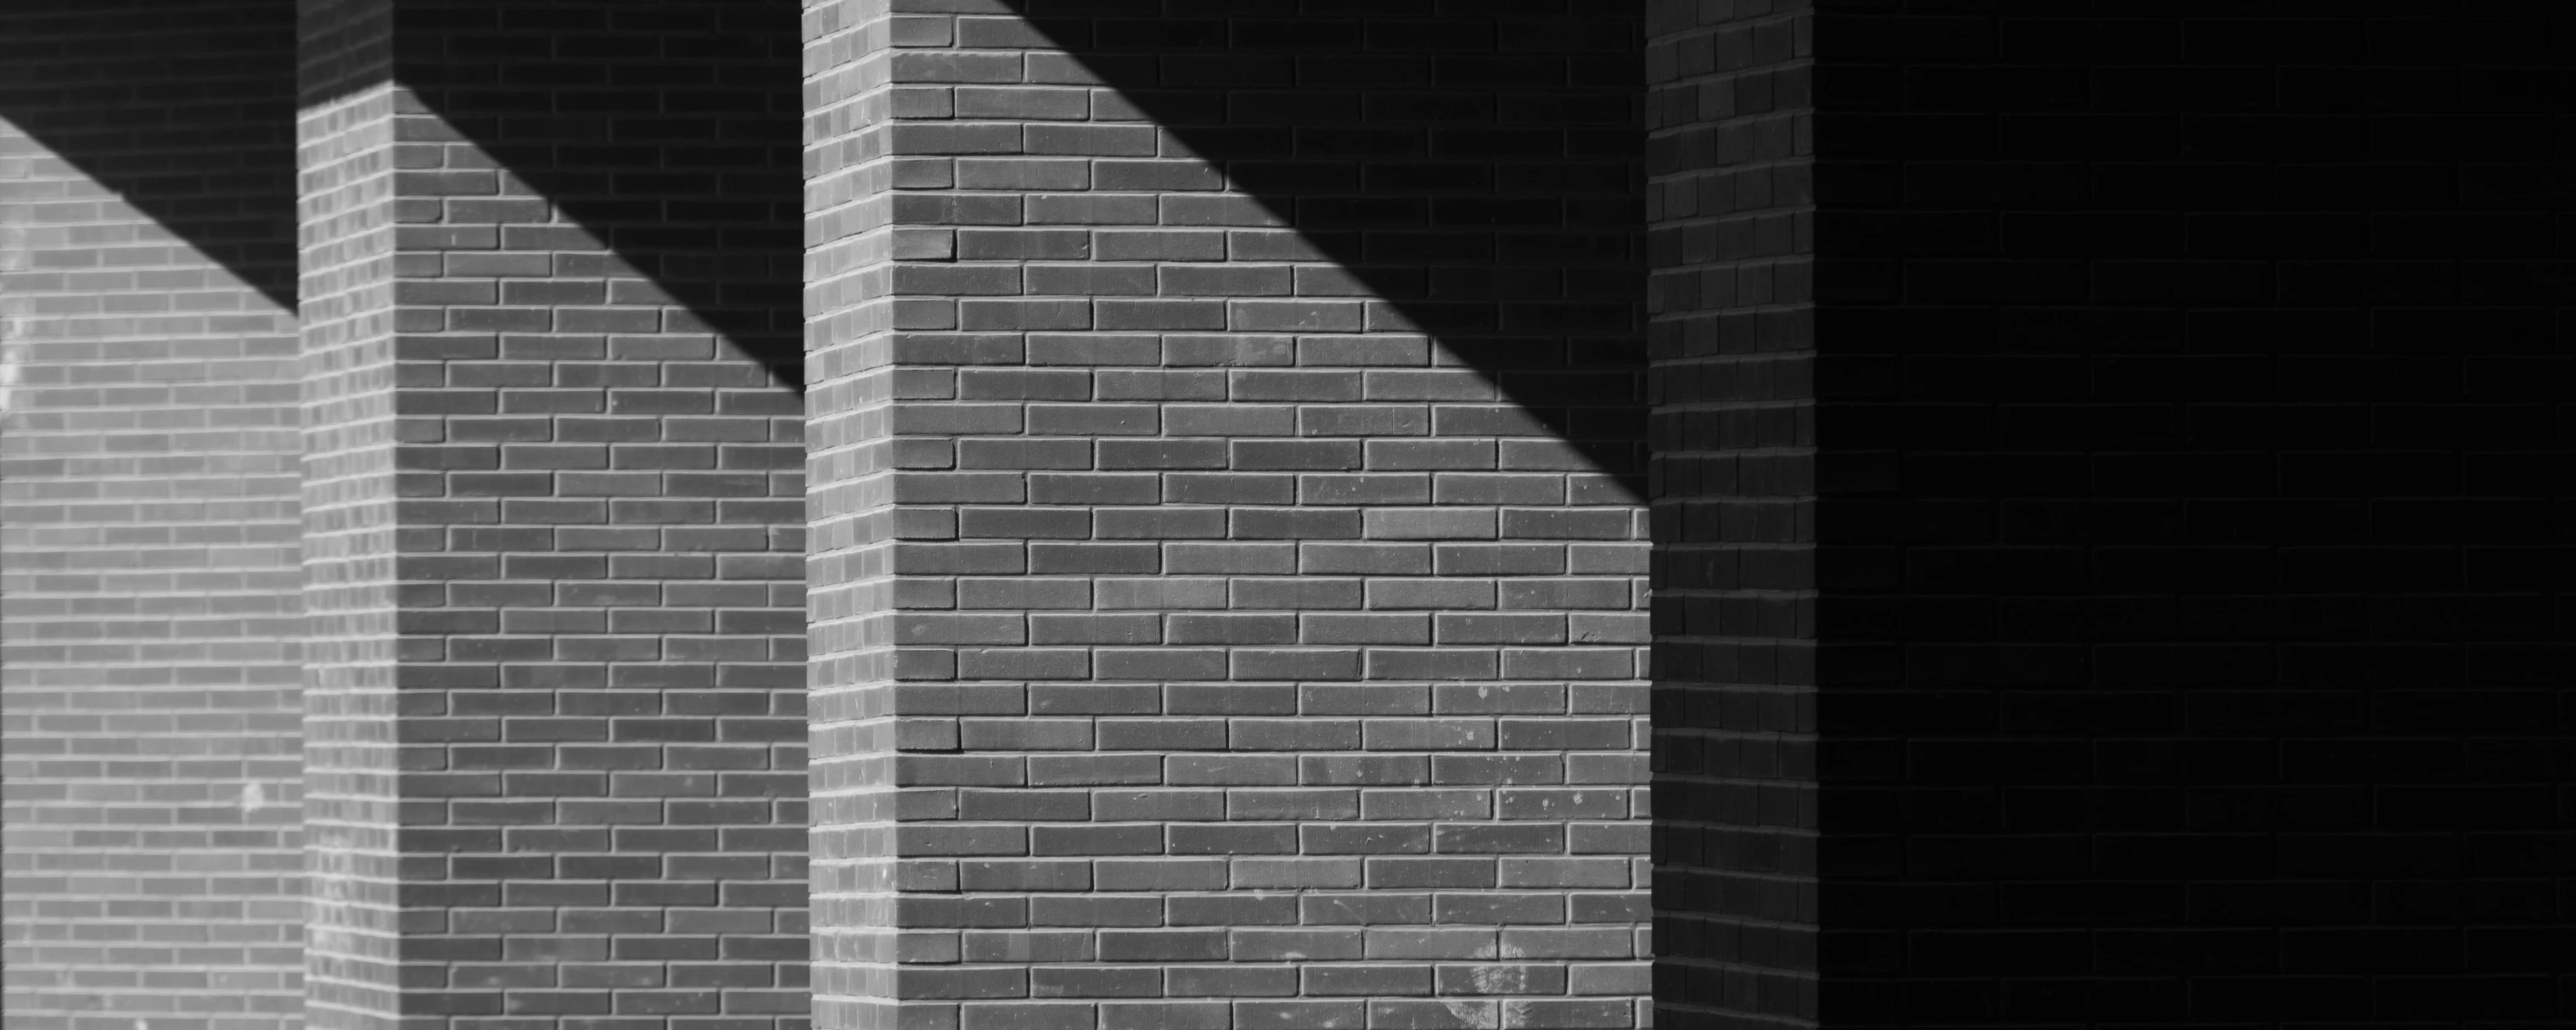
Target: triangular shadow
{"x":1478,"y":170}
{"x":1479,"y":166}
{"x":184,"y":109}
{"x":668,"y":130}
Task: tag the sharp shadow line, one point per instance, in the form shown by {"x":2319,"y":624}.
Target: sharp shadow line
{"x":1482,"y":172}
{"x":185,"y":110}
{"x":669,"y":131}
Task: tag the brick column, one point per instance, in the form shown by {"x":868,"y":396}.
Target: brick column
{"x":2135,"y":594}
{"x":1234,"y":594}
{"x":849,"y":507}
{"x":352,"y":794}
{"x":2198,"y":606}
{"x":555,"y":749}
{"x":1731,"y":235}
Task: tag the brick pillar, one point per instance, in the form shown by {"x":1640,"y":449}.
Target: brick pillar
{"x":1730,"y":211}
{"x":344,"y":137}
{"x":2168,"y":487}
{"x":849,"y":509}
{"x":1235,"y":597}
{"x":552,"y":527}
{"x":2198,"y":611}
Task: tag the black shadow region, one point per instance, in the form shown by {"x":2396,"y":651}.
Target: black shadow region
{"x":2195,"y":536}
{"x":186,"y":110}
{"x":1477,"y":165}
{"x":669,"y":131}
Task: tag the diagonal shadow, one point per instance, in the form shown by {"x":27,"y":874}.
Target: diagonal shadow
{"x":185,"y":109}
{"x":1475,"y":170}
{"x":668,"y":130}
{"x":1475,"y":165}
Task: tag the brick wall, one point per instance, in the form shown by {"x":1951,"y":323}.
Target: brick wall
{"x":2192,"y":544}
{"x":1731,"y":237}
{"x":543,"y":336}
{"x":2107,"y":481}
{"x":148,"y":586}
{"x":1251,"y":644}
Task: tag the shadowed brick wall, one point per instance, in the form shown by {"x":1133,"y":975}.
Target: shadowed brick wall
{"x":2189,"y":542}
{"x":552,"y":499}
{"x":148,"y":586}
{"x":1224,"y":632}
{"x":2194,"y":544}
{"x":2108,"y":478}
{"x":1730,"y":208}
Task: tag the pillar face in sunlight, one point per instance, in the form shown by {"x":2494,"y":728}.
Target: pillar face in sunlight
{"x":149,"y":636}
{"x":1229,"y":432}
{"x":849,"y":675}
{"x":552,"y":514}
{"x":1143,"y":514}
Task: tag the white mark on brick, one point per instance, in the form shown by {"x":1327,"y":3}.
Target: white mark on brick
{"x":251,"y":798}
{"x":15,"y":256}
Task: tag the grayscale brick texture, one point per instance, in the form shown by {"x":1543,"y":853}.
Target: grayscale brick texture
{"x":849,"y":582}
{"x":344,"y":138}
{"x":553,"y":518}
{"x":149,"y":758}
{"x":2092,"y":477}
{"x":1209,"y":640}
{"x":1731,"y":234}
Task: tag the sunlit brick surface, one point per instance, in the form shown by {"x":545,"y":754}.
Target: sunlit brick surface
{"x":562,"y":498}
{"x":148,"y":586}
{"x":1254,"y":656}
